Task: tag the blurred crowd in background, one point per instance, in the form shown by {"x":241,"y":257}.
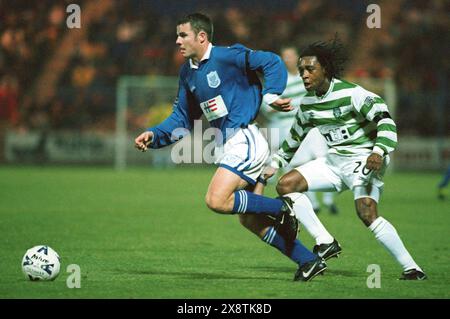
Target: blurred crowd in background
{"x":53,"y":77}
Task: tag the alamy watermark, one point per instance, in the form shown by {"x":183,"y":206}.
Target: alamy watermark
{"x":374,"y":279}
{"x":74,"y":279}
{"x":374,"y":19}
{"x":205,"y":146}
{"x":73,"y":20}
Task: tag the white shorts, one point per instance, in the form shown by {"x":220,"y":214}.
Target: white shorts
{"x":338,"y":173}
{"x":244,"y":153}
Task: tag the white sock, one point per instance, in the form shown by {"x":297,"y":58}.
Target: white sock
{"x":328,"y":198}
{"x":313,"y":199}
{"x":308,"y":218}
{"x":386,"y":234}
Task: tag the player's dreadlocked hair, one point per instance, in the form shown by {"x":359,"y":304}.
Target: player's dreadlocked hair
{"x":332,"y":55}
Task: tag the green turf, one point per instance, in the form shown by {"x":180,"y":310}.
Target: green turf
{"x":148,"y":234}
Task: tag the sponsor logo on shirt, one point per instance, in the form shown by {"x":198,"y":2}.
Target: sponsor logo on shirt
{"x":210,"y":106}
{"x":214,"y":108}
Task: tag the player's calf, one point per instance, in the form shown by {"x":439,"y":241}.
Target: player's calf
{"x":257,"y":224}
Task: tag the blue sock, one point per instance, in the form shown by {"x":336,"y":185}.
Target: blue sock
{"x":298,"y":253}
{"x":248,"y":202}
{"x":446,"y":179}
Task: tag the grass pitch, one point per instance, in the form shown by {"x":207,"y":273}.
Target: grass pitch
{"x":147,"y":233}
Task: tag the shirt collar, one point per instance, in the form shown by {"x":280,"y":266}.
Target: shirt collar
{"x":330,"y":89}
{"x":205,"y":57}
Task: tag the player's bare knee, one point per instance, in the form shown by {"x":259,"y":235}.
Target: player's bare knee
{"x":366,"y":209}
{"x":285,"y":185}
{"x":292,"y":182}
{"x":216,"y":203}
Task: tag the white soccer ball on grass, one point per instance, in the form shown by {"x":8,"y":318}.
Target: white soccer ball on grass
{"x":41,"y":263}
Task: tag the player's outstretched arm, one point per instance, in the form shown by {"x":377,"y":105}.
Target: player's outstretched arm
{"x":267,"y":173}
{"x":374,"y":109}
{"x":143,"y":141}
{"x":282,"y":105}
{"x":259,"y":188}
{"x":274,"y":73}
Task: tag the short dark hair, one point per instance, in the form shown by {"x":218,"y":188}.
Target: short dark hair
{"x":332,"y":55}
{"x":199,"y":22}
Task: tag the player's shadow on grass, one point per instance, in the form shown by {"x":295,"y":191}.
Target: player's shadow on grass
{"x":196,"y":275}
{"x":344,"y":273}
{"x":338,"y":272}
{"x":274,"y":269}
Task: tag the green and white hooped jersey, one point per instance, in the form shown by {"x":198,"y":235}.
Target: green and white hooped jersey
{"x":345,"y":117}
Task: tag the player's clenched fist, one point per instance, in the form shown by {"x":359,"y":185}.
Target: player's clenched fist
{"x":268,"y":172}
{"x":374,"y":162}
{"x":143,"y":141}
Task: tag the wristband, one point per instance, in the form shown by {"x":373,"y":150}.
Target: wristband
{"x":261,"y":180}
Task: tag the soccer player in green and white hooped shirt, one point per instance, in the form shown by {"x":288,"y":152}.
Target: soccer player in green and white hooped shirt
{"x":360,"y":133}
{"x":314,"y":145}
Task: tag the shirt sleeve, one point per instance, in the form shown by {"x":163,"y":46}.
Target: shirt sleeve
{"x":290,"y":145}
{"x":179,"y":123}
{"x":271,"y":66}
{"x":374,"y":109}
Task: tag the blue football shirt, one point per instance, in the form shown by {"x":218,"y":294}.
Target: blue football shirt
{"x":224,"y":87}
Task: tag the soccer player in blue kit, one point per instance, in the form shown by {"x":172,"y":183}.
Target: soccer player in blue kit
{"x":444,"y":182}
{"x":221,"y":83}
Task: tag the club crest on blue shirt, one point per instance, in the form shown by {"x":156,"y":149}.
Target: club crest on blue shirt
{"x":213,"y":79}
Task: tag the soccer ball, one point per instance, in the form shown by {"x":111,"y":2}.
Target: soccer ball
{"x":41,"y":263}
